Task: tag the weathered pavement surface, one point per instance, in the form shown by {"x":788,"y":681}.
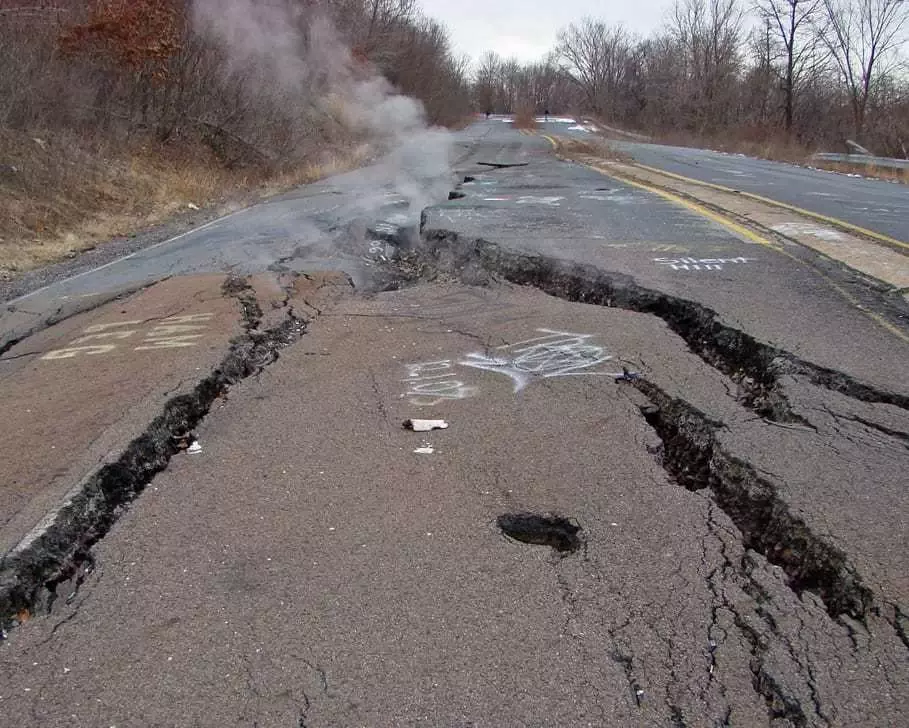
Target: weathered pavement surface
{"x":873,"y":204}
{"x":724,"y":444}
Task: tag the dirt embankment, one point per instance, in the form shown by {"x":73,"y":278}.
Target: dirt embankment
{"x":61,"y":195}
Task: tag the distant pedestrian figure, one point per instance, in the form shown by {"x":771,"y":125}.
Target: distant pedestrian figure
{"x":546,"y":115}
{"x":487,"y":115}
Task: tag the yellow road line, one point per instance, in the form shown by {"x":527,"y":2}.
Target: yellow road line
{"x":749,"y":235}
{"x":739,"y":230}
{"x":786,"y":206}
{"x":754,"y":237}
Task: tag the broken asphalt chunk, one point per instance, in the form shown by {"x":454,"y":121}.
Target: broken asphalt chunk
{"x":425,"y":425}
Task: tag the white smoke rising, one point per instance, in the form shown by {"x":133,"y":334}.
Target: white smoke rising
{"x":261,"y":39}
{"x":298,"y":56}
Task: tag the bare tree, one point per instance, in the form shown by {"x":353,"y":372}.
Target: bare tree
{"x":595,"y":56}
{"x":791,"y":20}
{"x":486,"y":85}
{"x":384,"y":17}
{"x":862,"y":37}
{"x":708,"y":34}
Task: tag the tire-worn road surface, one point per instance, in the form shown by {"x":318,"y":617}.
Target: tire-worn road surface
{"x":672,"y":488}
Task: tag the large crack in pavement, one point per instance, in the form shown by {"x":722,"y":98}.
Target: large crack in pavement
{"x":757,"y":367}
{"x":59,"y":551}
{"x":692,"y":455}
{"x":694,"y":459}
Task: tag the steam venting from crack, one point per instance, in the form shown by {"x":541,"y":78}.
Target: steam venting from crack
{"x":294,"y":56}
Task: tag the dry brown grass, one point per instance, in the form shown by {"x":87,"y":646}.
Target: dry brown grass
{"x":778,"y":149}
{"x":591,"y":147}
{"x":59,"y":196}
{"x":866,"y":170}
{"x":525,"y":119}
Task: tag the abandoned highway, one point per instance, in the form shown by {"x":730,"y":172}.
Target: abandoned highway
{"x":669,"y":489}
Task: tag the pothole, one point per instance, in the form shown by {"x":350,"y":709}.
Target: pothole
{"x":503,"y":165}
{"x":560,"y":533}
{"x":691,"y":453}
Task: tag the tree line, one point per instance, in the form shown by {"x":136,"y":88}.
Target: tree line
{"x":816,"y":72}
{"x":258,"y":80}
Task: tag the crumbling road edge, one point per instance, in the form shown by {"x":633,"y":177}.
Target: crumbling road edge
{"x":58,"y":550}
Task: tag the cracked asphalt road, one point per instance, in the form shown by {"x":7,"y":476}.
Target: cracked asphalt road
{"x":731,"y":439}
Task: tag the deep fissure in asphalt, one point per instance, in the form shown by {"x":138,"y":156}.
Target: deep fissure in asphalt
{"x":695,"y":460}
{"x":30,"y":576}
{"x":755,"y":366}
{"x":691,"y":454}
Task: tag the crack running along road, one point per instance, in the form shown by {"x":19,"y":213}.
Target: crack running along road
{"x":359,"y":582}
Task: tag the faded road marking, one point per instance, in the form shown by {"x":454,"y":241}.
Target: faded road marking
{"x":801,"y":228}
{"x":174,"y":332}
{"x":700,"y":263}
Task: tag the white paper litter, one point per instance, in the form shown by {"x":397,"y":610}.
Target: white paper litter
{"x":194,"y":448}
{"x":425,"y":450}
{"x":425,"y":425}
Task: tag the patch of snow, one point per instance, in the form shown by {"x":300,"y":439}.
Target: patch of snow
{"x":801,"y":228}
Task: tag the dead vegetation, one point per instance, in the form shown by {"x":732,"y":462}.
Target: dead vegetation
{"x":525,"y":119}
{"x":777,"y":78}
{"x":574,"y":148}
{"x":867,"y":170}
{"x":114,"y":114}
{"x":60,"y":196}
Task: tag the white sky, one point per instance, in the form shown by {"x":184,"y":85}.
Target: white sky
{"x":526,"y":29}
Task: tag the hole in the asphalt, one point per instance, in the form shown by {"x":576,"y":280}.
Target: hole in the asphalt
{"x":503,"y":165}
{"x":468,"y":178}
{"x":560,"y":533}
{"x":604,"y":189}
{"x":455,"y":195}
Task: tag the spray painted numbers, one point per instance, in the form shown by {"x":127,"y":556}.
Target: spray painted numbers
{"x":700,"y":263}
{"x":554,"y":354}
{"x":174,"y":332}
{"x":433,"y":382}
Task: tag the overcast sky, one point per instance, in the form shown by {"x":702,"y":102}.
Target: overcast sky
{"x":527,"y":29}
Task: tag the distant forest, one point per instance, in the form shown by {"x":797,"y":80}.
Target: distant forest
{"x":816,"y":72}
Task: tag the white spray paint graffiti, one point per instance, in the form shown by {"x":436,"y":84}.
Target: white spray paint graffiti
{"x":610,"y":196}
{"x":433,"y":382}
{"x":555,"y":354}
{"x":532,"y":200}
{"x":700,"y":263}
{"x":798,"y":228}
